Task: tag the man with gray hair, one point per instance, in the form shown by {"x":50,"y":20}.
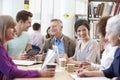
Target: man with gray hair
{"x":63,"y":43}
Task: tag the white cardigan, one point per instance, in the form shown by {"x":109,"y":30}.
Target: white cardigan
{"x":107,"y":58}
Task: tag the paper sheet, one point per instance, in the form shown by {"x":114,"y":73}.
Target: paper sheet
{"x":75,"y":77}
{"x":23,"y":62}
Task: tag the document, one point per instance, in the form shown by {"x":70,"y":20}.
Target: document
{"x":75,"y":77}
{"x":23,"y":62}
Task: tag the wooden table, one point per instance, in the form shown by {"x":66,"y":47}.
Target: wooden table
{"x":59,"y":75}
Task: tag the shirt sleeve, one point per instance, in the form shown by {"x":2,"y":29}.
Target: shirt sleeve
{"x":96,"y":66}
{"x":94,"y":52}
{"x":74,"y":57}
{"x":109,"y":72}
{"x":118,"y":78}
{"x":8,"y":68}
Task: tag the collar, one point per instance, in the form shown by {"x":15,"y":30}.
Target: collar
{"x":19,"y":35}
{"x":58,"y":39}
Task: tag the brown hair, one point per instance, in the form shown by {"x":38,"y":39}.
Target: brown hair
{"x":5,"y":22}
{"x":81,"y":22}
{"x":101,"y":25}
{"x":48,"y":35}
{"x":36,"y":26}
{"x":23,"y":15}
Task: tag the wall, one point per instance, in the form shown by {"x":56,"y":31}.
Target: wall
{"x":11,"y":8}
{"x":43,"y":12}
{"x":1,"y":6}
{"x":81,"y":7}
{"x":46,"y":14}
{"x":67,"y":16}
{"x":35,"y":8}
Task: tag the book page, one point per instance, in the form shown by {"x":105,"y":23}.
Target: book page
{"x":23,"y":62}
{"x":75,"y":77}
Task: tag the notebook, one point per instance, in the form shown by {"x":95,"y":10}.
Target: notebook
{"x":23,"y":62}
{"x":75,"y":77}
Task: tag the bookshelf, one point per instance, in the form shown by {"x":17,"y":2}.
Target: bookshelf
{"x":104,"y":0}
{"x":80,"y":16}
{"x":97,"y":9}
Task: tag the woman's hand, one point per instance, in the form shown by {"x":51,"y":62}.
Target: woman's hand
{"x":47,"y":73}
{"x":81,"y":72}
{"x":84,"y":63}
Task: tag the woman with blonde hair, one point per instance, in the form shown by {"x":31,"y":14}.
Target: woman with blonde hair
{"x":7,"y":67}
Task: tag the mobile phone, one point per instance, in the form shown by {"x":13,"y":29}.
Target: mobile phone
{"x":32,"y":52}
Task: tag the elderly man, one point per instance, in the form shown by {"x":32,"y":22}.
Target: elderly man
{"x":63,"y":43}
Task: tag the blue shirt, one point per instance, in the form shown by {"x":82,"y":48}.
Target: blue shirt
{"x":114,"y":69}
{"x":59,"y":44}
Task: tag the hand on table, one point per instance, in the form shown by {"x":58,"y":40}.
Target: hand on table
{"x":22,"y":56}
{"x":84,"y":63}
{"x":81,"y":72}
{"x":47,"y":73}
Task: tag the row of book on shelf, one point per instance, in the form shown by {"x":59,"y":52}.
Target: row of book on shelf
{"x":99,"y":9}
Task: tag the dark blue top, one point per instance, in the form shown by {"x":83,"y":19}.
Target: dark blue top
{"x":118,"y":78}
{"x":114,"y":69}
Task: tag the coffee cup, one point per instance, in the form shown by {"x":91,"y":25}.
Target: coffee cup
{"x":51,"y":65}
{"x":38,"y":58}
{"x":62,"y":62}
{"x":70,"y":67}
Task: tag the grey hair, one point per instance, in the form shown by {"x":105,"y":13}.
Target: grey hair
{"x":57,"y":20}
{"x":114,"y":24}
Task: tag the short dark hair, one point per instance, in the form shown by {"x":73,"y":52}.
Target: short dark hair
{"x":101,"y":25}
{"x":23,"y":15}
{"x":36,"y":26}
{"x":81,"y":22}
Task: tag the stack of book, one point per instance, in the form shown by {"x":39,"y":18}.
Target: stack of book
{"x":103,"y":9}
{"x":98,"y":10}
